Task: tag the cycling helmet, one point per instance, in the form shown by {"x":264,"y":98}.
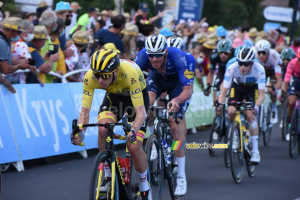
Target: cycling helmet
{"x":237,"y":50}
{"x":224,"y":45}
{"x":262,"y":45}
{"x":104,"y":61}
{"x":246,"y":55}
{"x":175,"y":42}
{"x":288,"y":53}
{"x":156,"y":43}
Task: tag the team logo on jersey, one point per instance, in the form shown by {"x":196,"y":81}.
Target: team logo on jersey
{"x":184,"y":60}
{"x":124,"y":75}
{"x":86,"y":93}
{"x":188,"y":74}
{"x":133,"y":81}
{"x":86,"y":81}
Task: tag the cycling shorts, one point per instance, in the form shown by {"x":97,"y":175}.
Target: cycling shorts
{"x":238,"y":93}
{"x":295,"y":86}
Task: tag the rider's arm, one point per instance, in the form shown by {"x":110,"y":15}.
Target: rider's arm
{"x":261,"y":97}
{"x":222,"y":96}
{"x":185,"y":94}
{"x":287,"y":77}
{"x":140,"y":117}
{"x":278,"y":77}
{"x":210,"y":77}
{"x":84,"y":116}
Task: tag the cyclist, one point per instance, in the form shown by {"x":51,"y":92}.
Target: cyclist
{"x":169,"y":72}
{"x":247,"y":81}
{"x":220,"y":56}
{"x":125,"y":92}
{"x":271,"y":61}
{"x":293,"y":69}
{"x":287,"y":54}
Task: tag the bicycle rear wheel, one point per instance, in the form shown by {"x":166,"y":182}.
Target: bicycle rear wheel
{"x":236,"y":153}
{"x":155,"y":165}
{"x":293,"y":134}
{"x":284,"y":120}
{"x":98,"y":176}
{"x":213,"y":137}
{"x":267,"y":133}
{"x":247,"y":156}
{"x":226,"y":151}
{"x":133,"y":186}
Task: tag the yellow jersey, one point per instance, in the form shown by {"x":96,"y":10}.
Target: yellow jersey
{"x":130,"y":81}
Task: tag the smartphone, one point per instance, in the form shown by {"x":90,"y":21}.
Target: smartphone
{"x":31,"y":61}
{"x":53,"y":49}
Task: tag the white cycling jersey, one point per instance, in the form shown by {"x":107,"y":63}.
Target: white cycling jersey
{"x":273,"y":62}
{"x":256,"y":75}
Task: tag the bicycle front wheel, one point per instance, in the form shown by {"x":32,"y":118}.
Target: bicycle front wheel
{"x":213,"y":137}
{"x":226,"y":151}
{"x":98,"y":177}
{"x":284,"y":120}
{"x":293,"y":133}
{"x":236,"y":153}
{"x":267,"y":132}
{"x":155,"y":165}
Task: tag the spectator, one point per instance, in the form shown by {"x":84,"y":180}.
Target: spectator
{"x":205,"y":53}
{"x":142,"y":20}
{"x":80,"y":41}
{"x":30,"y":16}
{"x":252,"y":35}
{"x":221,"y":32}
{"x":42,"y":6}
{"x":108,"y":18}
{"x":112,"y":35}
{"x":40,"y":35}
{"x":75,"y":10}
{"x":11,"y":31}
{"x":20,"y":51}
{"x":130,"y":34}
{"x":84,"y":20}
{"x":127,"y":17}
{"x":167,"y":32}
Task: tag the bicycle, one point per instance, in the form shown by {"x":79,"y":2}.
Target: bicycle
{"x":239,"y":131}
{"x":265,"y":125}
{"x":162,"y":163}
{"x":119,"y":189}
{"x":294,"y":129}
{"x":284,"y":128}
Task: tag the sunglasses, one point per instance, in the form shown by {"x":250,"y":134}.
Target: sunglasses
{"x":69,"y":15}
{"x":225,"y":53}
{"x":285,"y":59}
{"x":104,"y":76}
{"x":246,"y":64}
{"x":157,"y":55}
{"x":262,"y":52}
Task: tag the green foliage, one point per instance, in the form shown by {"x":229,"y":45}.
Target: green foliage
{"x":134,"y":4}
{"x":234,"y":13}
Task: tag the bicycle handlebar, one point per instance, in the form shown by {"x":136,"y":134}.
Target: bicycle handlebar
{"x":174,"y":115}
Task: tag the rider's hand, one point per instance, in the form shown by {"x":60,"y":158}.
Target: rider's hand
{"x":77,"y":140}
{"x":175,"y":106}
{"x":256,"y":110}
{"x":207,"y":90}
{"x":131,"y":136}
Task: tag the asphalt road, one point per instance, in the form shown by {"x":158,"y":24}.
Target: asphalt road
{"x":66,"y":177}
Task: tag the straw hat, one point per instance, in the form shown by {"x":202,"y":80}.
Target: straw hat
{"x":210,"y":44}
{"x":104,"y":12}
{"x":252,"y":32}
{"x":127,"y":15}
{"x":63,"y":6}
{"x":14,"y":23}
{"x":111,"y":46}
{"x":114,"y":13}
{"x":81,"y":37}
{"x":262,"y":34}
{"x":201,"y":37}
{"x":43,"y":4}
{"x":40,"y":32}
{"x":75,"y":5}
{"x":130,"y":29}
{"x":213,"y":36}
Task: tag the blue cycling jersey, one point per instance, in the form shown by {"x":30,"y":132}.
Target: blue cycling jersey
{"x":233,"y":60}
{"x":177,"y":62}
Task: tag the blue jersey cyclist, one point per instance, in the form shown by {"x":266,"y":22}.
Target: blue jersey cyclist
{"x":169,"y":72}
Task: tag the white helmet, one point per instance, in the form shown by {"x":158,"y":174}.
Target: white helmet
{"x":175,"y":41}
{"x":156,"y":43}
{"x":246,"y":55}
{"x":262,"y":45}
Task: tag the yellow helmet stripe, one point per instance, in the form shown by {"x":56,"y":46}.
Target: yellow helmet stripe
{"x":100,"y":56}
{"x":94,"y":58}
{"x":108,"y":57}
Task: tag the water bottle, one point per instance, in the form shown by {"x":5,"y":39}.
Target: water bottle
{"x":166,"y":150}
{"x":127,"y":168}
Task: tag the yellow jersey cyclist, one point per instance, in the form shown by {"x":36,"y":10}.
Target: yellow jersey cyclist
{"x":246,"y":79}
{"x":125,"y":93}
{"x":270,"y":59}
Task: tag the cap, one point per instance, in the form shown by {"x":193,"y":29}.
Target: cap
{"x":111,"y":46}
{"x":75,"y":5}
{"x":221,"y":31}
{"x":204,"y":24}
{"x":210,"y":44}
{"x":63,"y":6}
{"x":144,"y":7}
{"x":14,"y":23}
{"x":40,"y":32}
{"x":91,"y":9}
{"x":81,"y":37}
{"x":167,"y":32}
{"x":41,"y":9}
{"x":252,"y":32}
{"x":43,"y":4}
